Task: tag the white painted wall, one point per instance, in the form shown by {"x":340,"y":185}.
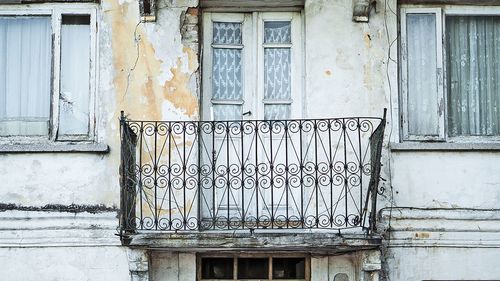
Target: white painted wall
{"x":443,"y":264}
{"x":64,"y":263}
{"x":346,"y":70}
{"x":446,"y":179}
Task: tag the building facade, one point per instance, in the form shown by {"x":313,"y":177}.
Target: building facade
{"x":250,"y":140}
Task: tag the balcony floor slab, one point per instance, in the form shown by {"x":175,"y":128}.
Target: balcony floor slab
{"x":317,"y":242}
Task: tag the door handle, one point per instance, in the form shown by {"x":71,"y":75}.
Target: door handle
{"x":247,"y":113}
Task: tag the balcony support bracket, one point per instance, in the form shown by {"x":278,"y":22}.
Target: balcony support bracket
{"x":138,"y":264}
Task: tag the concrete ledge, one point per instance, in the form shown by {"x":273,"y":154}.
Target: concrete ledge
{"x":55,"y":147}
{"x":57,"y":229}
{"x":325,"y":243}
{"x":460,"y":228}
{"x":444,"y":146}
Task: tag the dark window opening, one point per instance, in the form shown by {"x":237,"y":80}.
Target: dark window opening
{"x":253,"y":268}
{"x":217,"y":268}
{"x":289,"y":268}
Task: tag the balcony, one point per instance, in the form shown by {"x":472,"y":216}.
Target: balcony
{"x":278,"y":175}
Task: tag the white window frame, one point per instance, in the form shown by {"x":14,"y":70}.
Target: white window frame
{"x":253,"y":61}
{"x":441,"y":11}
{"x":55,"y":11}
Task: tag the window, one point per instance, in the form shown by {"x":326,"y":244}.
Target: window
{"x":450,"y":73}
{"x":252,"y":66}
{"x":47,"y":64}
{"x":255,"y":267}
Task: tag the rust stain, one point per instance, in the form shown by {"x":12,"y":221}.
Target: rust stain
{"x":368,"y":41}
{"x":131,"y":85}
{"x":367,"y":77}
{"x":328,"y":72}
{"x":176,"y":91}
{"x":142,"y":82}
{"x":192,"y":58}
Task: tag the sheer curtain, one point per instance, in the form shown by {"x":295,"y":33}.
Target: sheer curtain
{"x":473,"y":64}
{"x":422,"y":82}
{"x":75,"y":75}
{"x":25,"y":67}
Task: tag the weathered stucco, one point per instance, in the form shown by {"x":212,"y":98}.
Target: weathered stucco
{"x":152,"y":72}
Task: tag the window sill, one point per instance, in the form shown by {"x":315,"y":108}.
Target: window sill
{"x":99,"y":148}
{"x":444,"y":146}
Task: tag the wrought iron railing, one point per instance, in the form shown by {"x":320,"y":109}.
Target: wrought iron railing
{"x":248,"y":174}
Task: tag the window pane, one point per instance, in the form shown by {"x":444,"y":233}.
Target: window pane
{"x":226,"y":74}
{"x":224,"y":112}
{"x":252,"y":268}
{"x":288,"y":268}
{"x":277,"y":73}
{"x":473,"y":64}
{"x":25,"y":74}
{"x":75,"y":75}
{"x":277,"y":32}
{"x":227,"y":33}
{"x":276,"y":111}
{"x":217,"y":268}
{"x":422,"y":75}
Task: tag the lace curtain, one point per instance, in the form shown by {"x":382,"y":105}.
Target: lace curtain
{"x":25,"y":74}
{"x":226,"y":71}
{"x":277,"y":72}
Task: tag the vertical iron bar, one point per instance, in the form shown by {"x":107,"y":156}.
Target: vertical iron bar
{"x":155,"y":167}
{"x":213,"y":174}
{"x":140,"y":176}
{"x":330,"y":166}
{"x":301,"y":166}
{"x":344,"y":129}
{"x":286,"y":175}
{"x":228,"y":183}
{"x":170,"y":175}
{"x":360,"y":171}
{"x":271,"y":167}
{"x":242,"y":178}
{"x":124,"y":193}
{"x":316,"y":181}
{"x":257,"y":173}
{"x":198,"y":168}
{"x":184,"y":163}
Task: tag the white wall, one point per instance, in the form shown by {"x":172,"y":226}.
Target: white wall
{"x":64,"y":263}
{"x":345,"y":74}
{"x":346,"y":62}
{"x":446,"y":179}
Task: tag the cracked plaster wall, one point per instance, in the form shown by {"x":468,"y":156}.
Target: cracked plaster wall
{"x":151,"y":71}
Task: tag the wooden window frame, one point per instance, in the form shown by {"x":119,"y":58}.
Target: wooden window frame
{"x":55,"y":12}
{"x":253,"y":61}
{"x":306,"y":257}
{"x":441,"y":11}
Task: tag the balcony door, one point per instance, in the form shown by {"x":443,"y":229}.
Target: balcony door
{"x":251,"y":71}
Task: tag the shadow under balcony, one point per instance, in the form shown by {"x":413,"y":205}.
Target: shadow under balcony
{"x":251,"y":184}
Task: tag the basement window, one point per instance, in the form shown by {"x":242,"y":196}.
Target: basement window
{"x":47,"y":66}
{"x":253,"y":268}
